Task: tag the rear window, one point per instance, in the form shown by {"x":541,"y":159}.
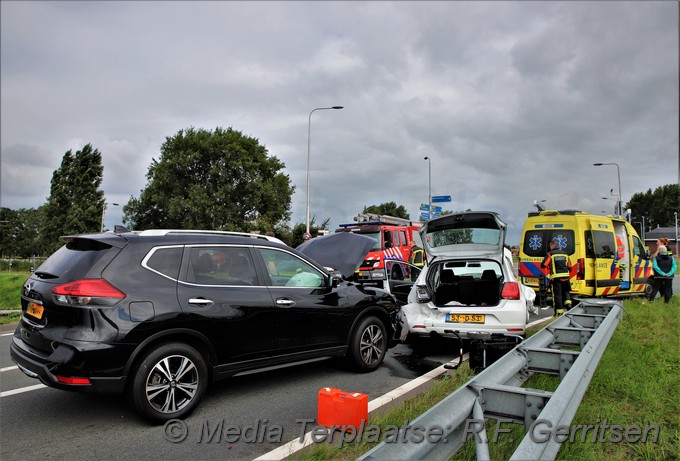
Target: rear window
{"x":536,"y":242}
{"x":473,"y":235}
{"x":73,"y":260}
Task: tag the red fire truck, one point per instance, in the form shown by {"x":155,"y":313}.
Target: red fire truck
{"x":392,"y":237}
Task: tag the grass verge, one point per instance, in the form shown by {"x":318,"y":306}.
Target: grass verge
{"x":10,"y":294}
{"x":635,"y":384}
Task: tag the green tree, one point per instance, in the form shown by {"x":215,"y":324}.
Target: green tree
{"x":76,"y":200}
{"x":656,"y":207}
{"x":219,"y":180}
{"x":298,"y":230}
{"x":389,"y":209}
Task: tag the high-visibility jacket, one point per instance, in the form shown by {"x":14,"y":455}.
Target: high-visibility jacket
{"x":558,"y":262}
{"x":416,"y":257}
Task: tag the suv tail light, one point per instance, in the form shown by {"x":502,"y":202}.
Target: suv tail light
{"x":87,"y":292}
{"x":510,"y":290}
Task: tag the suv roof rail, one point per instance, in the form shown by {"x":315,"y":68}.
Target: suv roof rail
{"x":161,"y":232}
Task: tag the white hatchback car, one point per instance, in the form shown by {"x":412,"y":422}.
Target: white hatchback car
{"x":468,"y":284}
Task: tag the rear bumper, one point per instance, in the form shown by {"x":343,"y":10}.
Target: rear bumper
{"x":60,"y":363}
{"x":467,"y":331}
{"x":421,"y":320}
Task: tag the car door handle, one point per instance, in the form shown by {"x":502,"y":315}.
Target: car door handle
{"x":285,"y":302}
{"x":200,"y":302}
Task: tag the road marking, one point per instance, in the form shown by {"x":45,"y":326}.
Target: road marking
{"x":7,"y":334}
{"x":22,"y":390}
{"x":296,"y":445}
{"x":9,"y":368}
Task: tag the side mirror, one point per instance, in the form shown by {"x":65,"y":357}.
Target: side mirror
{"x":332,"y":281}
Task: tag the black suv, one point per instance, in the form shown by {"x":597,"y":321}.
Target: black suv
{"x":160,"y":314}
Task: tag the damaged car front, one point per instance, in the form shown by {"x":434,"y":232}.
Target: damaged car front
{"x":341,"y":254}
{"x":468,"y":285}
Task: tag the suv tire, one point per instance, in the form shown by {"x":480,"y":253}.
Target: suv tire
{"x":368,"y":345}
{"x":169,"y":382}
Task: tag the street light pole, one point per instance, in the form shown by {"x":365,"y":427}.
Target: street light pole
{"x":618,"y":174}
{"x":309,"y":151}
{"x":676,"y":232}
{"x":103,"y":211}
{"x":429,"y":185}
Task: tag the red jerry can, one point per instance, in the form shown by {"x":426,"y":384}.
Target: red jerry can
{"x":339,"y":408}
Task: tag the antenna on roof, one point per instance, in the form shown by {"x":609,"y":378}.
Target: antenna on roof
{"x":538,"y":205}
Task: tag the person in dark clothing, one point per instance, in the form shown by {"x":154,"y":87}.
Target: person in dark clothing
{"x":557,"y":261}
{"x":664,"y":267}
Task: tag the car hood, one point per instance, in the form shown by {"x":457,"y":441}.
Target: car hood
{"x":471,"y":233}
{"x":342,"y":251}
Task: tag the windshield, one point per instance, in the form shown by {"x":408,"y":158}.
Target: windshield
{"x":377,"y":236}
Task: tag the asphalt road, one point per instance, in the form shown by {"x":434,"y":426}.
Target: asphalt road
{"x":269,"y":409}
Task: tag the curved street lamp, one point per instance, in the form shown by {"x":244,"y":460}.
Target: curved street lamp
{"x":618,"y":173}
{"x":309,"y":151}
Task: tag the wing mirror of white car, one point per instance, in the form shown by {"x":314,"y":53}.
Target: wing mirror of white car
{"x":421,"y":294}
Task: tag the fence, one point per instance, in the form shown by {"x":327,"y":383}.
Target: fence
{"x":20,"y":265}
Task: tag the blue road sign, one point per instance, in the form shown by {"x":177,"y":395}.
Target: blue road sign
{"x":424,"y":216}
{"x":441,"y":198}
{"x":426,"y":207}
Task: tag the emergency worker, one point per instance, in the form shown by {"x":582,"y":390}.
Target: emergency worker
{"x":416,"y":256}
{"x":557,"y":262}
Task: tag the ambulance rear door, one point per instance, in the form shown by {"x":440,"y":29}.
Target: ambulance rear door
{"x":603,"y":251}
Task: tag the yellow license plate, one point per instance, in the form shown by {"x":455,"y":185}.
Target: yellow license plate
{"x":531,"y":280}
{"x":35,"y":310}
{"x":465,"y":318}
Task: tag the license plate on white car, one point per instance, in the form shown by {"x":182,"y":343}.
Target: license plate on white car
{"x":465,"y":318}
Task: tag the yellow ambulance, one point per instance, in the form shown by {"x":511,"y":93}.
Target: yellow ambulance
{"x":606,"y":254}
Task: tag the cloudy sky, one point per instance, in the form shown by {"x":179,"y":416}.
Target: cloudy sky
{"x":512,"y":101}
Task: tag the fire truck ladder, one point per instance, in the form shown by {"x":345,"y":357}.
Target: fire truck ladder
{"x":370,"y":218}
{"x":496,"y":392}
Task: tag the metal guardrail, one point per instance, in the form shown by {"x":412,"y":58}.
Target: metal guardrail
{"x":496,"y":392}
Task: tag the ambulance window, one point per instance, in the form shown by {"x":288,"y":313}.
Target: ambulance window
{"x":639,"y":248}
{"x":564,"y":238}
{"x":590,"y":246}
{"x":536,"y":242}
{"x":605,"y":245}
